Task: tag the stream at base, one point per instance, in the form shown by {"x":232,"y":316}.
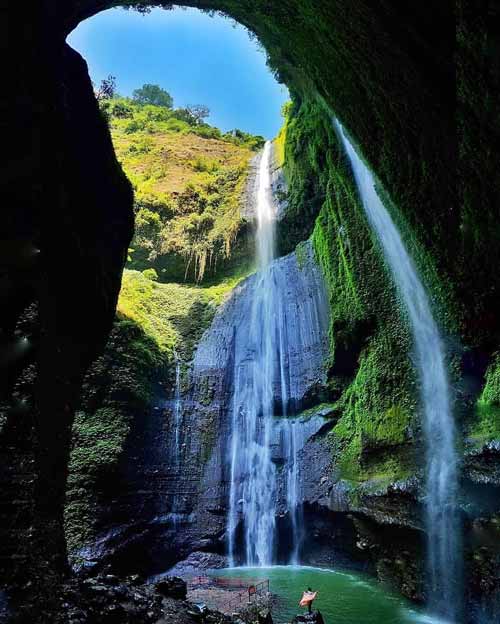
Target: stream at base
{"x":343,"y":597}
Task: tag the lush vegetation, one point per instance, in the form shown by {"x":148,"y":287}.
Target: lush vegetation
{"x":189,"y":180}
{"x":484,"y":426}
{"x":119,"y":386}
{"x":371,"y":378}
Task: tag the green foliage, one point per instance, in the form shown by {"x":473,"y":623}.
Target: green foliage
{"x":97,"y":444}
{"x":280,"y":140}
{"x":484,"y":425}
{"x":491,"y":390}
{"x":202,"y":163}
{"x":153,"y":94}
{"x":207,"y":220}
{"x":238,"y":137}
{"x":371,"y":377}
{"x":301,"y":254}
{"x":305,"y":146}
{"x":118,"y":386}
{"x":173,"y":315}
{"x":150,"y":274}
{"x":189,"y":181}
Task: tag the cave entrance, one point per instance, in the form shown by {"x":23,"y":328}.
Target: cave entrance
{"x":387,"y":71}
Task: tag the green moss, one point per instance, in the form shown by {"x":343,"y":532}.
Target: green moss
{"x":484,"y":426}
{"x":173,"y":315}
{"x":327,"y":410}
{"x":301,"y":254}
{"x":378,"y":410}
{"x":119,"y":386}
{"x":491,"y":391}
{"x":371,"y":376}
{"x":97,"y":446}
{"x":280,"y":140}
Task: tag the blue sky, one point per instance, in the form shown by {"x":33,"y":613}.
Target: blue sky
{"x":198,"y":59}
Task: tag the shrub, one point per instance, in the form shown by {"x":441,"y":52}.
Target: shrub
{"x":132,"y":126}
{"x":150,"y":274}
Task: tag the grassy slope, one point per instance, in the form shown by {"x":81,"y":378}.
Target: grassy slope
{"x":189,"y":182}
{"x":166,"y":161}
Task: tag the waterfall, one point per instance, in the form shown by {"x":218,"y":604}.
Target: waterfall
{"x":177,"y":409}
{"x":277,"y":328}
{"x":253,"y":475}
{"x":292,"y":487}
{"x":441,"y":457}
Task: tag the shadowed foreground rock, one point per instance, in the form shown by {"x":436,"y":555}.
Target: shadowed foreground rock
{"x":309,"y":618}
{"x":107,"y":599}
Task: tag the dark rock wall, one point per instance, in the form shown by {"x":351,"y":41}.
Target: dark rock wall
{"x":66,"y":225}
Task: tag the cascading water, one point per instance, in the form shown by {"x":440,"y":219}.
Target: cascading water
{"x":441,"y":457}
{"x":278,"y":347}
{"x":252,"y":471}
{"x":177,"y":409}
{"x":292,"y":487}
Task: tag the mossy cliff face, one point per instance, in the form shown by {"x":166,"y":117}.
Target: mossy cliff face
{"x":371,"y":376}
{"x":118,"y":391}
{"x":373,"y":435}
{"x":375,"y":431}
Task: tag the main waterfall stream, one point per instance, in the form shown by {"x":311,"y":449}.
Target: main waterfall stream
{"x":252,"y":471}
{"x":441,"y":457}
{"x":277,"y":355}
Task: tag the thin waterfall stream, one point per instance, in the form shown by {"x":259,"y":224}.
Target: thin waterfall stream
{"x":177,"y":409}
{"x":441,"y":519}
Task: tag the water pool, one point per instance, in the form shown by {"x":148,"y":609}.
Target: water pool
{"x":343,"y":597}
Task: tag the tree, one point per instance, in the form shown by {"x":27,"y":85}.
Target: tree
{"x":107,"y":88}
{"x":153,"y":94}
{"x":198,"y":113}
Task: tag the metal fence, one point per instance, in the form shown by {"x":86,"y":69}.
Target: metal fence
{"x":250,"y":590}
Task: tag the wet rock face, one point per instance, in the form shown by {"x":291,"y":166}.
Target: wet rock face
{"x":203,"y":488}
{"x":173,"y":499}
{"x":300,"y":287}
{"x":309,"y":618}
{"x":198,"y":561}
{"x":482,"y":465}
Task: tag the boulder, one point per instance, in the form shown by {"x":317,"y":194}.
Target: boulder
{"x":172,"y":587}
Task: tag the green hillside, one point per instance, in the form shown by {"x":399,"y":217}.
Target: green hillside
{"x":189,"y":179}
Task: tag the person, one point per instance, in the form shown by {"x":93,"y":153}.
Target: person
{"x":307,"y":599}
